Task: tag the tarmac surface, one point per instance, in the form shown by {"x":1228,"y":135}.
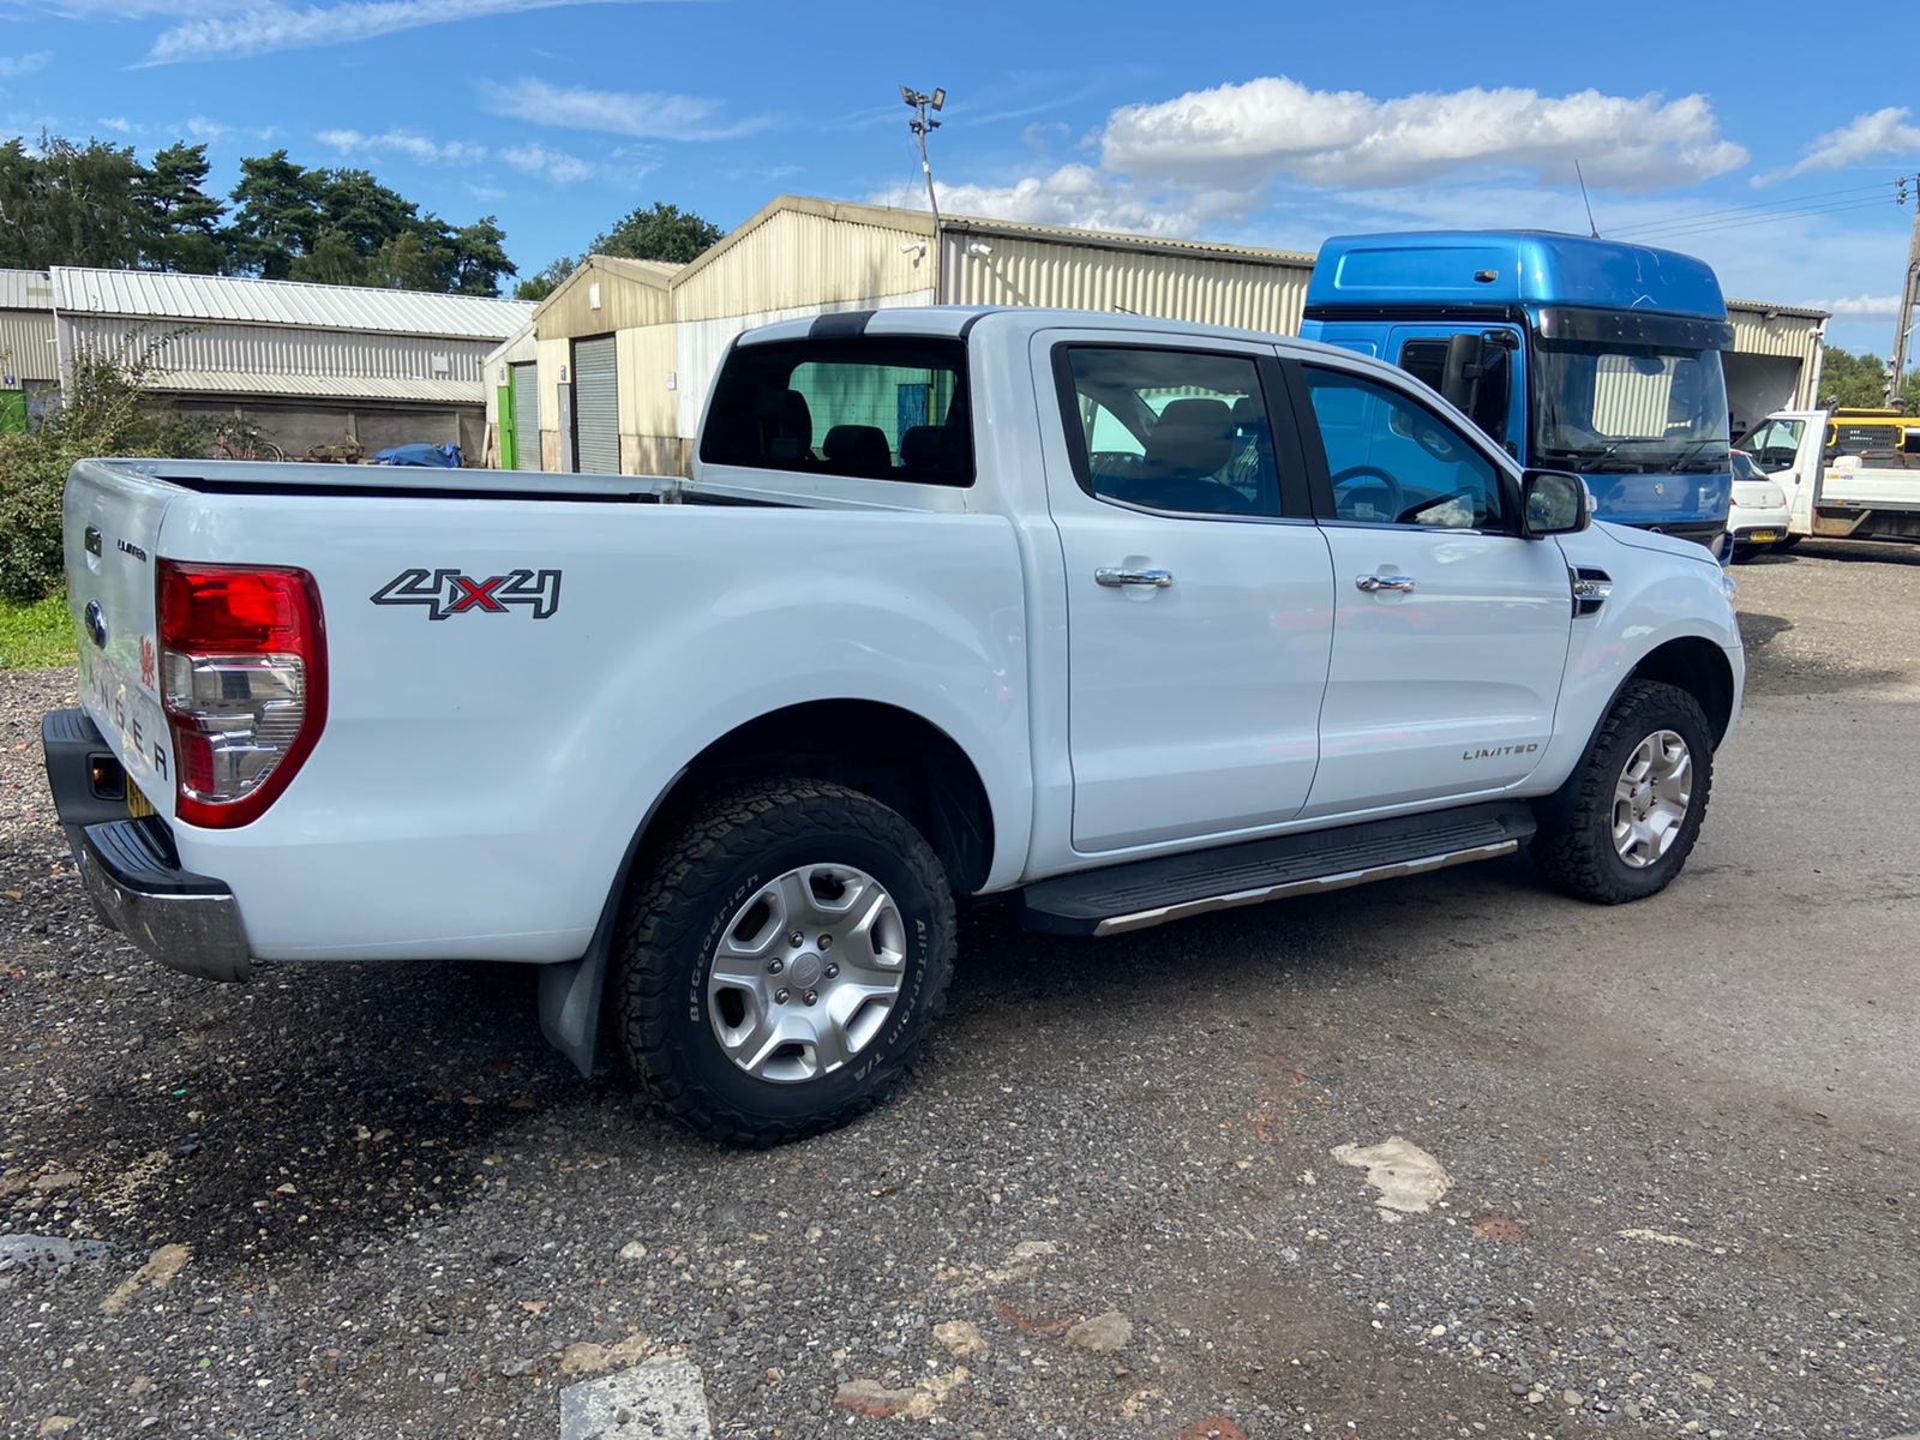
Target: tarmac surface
{"x":1667,"y":1154}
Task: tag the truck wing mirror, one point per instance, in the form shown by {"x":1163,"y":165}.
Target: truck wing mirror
{"x":1553,"y":502}
{"x":1466,"y":363}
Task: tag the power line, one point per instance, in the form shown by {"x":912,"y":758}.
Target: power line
{"x":1785,"y":200}
{"x":1675,"y":231}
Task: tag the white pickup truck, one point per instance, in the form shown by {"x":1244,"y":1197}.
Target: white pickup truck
{"x":1136,"y":619}
{"x":1847,"y":474}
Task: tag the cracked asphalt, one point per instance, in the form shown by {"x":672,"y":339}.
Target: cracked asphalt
{"x":1680,"y":1140}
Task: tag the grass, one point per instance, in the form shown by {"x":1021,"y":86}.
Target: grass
{"x":35,"y":637}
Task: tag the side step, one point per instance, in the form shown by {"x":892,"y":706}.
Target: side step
{"x":1134,"y":896}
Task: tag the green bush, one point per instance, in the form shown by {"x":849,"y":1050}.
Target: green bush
{"x":106,"y":408}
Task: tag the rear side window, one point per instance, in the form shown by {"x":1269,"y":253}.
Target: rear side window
{"x":878,"y":408}
{"x":1181,"y":431}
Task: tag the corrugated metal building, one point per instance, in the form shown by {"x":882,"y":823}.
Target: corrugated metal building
{"x":800,"y":256}
{"x":29,"y":366}
{"x":308,"y":364}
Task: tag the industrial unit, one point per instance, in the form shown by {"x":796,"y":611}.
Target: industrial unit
{"x":661,"y":330}
{"x":309,"y":365}
{"x":29,"y":367}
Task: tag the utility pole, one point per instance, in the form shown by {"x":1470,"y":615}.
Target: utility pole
{"x":1909,"y":297}
{"x":922,"y":124}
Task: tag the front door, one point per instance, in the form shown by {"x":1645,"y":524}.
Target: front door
{"x":1199,"y":593}
{"x":1450,"y":631}
{"x":1497,"y":405}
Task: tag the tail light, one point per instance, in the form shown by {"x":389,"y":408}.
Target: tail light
{"x":243,"y":679}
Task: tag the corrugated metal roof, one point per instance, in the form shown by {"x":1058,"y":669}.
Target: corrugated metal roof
{"x":1125,"y":240}
{"x":337,"y":387}
{"x":145,"y":294}
{"x":1802,"y":312}
{"x":25,"y":290}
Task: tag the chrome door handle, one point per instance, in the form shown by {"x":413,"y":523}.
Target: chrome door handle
{"x":1374,"y":583}
{"x":1114,"y":577}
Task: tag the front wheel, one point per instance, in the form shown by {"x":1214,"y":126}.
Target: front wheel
{"x":1623,"y":825}
{"x":781,"y":959}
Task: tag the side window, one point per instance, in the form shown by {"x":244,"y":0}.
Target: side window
{"x":1776,"y":444}
{"x":1426,"y":360}
{"x":1393,"y":461}
{"x":880,"y":408}
{"x":1175,"y":430}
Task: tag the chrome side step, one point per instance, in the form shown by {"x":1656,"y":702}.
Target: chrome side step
{"x":1345,"y":880}
{"x":1143,"y":893}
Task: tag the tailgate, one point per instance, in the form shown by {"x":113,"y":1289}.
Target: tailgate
{"x":112,"y":524}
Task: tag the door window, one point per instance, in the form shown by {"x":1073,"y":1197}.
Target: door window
{"x":1775,"y":444}
{"x":1175,"y":430}
{"x":1426,"y":360}
{"x":1393,"y":461}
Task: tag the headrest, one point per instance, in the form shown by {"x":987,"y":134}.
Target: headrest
{"x":858,"y":450}
{"x":1192,"y":438}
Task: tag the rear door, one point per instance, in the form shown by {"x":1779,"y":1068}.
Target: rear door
{"x":1450,"y":630}
{"x":1198,"y":589}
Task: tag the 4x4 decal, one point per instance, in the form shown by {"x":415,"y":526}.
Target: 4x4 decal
{"x":448,"y":592}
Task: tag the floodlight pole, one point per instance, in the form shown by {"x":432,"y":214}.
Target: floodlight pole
{"x":922,"y":124}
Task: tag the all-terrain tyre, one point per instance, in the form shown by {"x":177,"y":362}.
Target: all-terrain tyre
{"x":750,"y":1002}
{"x":1623,"y":825}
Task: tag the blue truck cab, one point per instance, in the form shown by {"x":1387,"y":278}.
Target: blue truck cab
{"x":1575,"y":354}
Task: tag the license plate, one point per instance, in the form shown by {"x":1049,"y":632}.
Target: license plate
{"x":138,"y":805}
{"x":1761,"y":537}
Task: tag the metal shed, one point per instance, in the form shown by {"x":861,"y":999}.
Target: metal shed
{"x":604,"y":345}
{"x":29,"y":368}
{"x":308,"y":364}
{"x":1778,"y":354}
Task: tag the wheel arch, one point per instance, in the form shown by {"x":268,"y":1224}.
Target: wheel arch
{"x":1698,"y":666}
{"x":900,"y":758}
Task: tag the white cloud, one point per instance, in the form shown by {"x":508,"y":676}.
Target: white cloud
{"x":18,"y":67}
{"x":1880,"y":132}
{"x":231,"y":32}
{"x":643,"y":114}
{"x":1875,"y":305}
{"x":119,"y":124}
{"x":404,"y":142}
{"x":554,"y":165}
{"x":1248,"y":133}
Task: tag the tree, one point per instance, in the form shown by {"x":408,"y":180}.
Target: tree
{"x":479,"y":258}
{"x":665,"y":232}
{"x":545,"y":281}
{"x":62,"y":203}
{"x":1861,"y":381}
{"x":183,"y":221}
{"x":277,"y":215}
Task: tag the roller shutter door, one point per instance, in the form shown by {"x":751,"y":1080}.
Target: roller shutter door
{"x":596,"y":407}
{"x":526,"y":417}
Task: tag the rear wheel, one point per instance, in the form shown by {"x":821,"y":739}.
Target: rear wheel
{"x":781,"y":959}
{"x":1623,"y":825}
{"x":1786,"y":542}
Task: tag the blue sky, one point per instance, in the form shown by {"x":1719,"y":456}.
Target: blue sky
{"x":1264,"y":123}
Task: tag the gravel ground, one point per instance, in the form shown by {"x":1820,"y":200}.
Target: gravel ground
{"x":1680,"y":1138}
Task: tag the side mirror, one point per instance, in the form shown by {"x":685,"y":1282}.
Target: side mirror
{"x":1466,"y":363}
{"x":1552,"y":502}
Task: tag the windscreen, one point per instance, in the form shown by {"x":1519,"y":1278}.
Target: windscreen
{"x":1603,"y":406}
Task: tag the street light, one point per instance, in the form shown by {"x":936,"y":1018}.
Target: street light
{"x":924,"y":107}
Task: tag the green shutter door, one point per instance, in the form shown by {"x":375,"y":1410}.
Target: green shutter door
{"x":526,"y":416}
{"x":596,"y":407}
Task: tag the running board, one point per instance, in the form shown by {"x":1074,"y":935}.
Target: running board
{"x":1134,"y":896}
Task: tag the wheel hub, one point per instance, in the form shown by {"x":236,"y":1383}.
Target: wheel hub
{"x":806,"y":972}
{"x":1651,"y":798}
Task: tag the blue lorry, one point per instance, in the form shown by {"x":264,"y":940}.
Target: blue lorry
{"x":1575,"y":354}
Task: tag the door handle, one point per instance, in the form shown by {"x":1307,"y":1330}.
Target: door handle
{"x":1372,"y":584}
{"x":1114,"y":577}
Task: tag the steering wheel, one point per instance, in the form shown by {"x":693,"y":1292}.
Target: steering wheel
{"x":1396,"y":497}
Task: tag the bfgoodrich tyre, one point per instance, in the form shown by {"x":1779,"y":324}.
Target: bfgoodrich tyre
{"x":781,"y":959}
{"x":1622,"y":826}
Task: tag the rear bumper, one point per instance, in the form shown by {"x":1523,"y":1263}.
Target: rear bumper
{"x":187,"y":922}
{"x":1747,"y":519}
